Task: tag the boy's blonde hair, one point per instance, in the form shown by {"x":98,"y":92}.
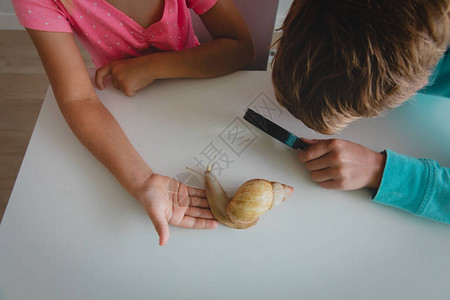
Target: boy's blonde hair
{"x":340,"y":60}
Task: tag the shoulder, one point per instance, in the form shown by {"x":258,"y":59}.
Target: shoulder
{"x":38,"y":5}
{"x":45,"y":15}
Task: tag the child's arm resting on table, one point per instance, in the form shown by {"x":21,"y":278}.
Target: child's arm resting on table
{"x":231,"y":49}
{"x":419,"y":186}
{"x":165,"y":200}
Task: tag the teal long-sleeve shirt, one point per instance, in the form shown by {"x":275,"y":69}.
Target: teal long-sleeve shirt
{"x":420,"y":186}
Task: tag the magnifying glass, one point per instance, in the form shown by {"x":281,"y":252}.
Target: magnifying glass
{"x":273,"y":130}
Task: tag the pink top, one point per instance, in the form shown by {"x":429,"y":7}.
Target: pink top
{"x":109,"y":34}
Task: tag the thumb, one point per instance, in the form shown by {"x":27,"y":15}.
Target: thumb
{"x":161,"y":226}
{"x":310,"y":141}
{"x":100,"y":75}
{"x":305,"y":154}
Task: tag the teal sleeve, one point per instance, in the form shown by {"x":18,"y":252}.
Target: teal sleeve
{"x":419,"y":186}
{"x":439,"y":81}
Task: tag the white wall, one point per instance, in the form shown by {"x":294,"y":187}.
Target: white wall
{"x":6,"y":6}
{"x":283,"y":8}
{"x":8,"y":19}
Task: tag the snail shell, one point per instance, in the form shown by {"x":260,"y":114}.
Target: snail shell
{"x":252,"y":199}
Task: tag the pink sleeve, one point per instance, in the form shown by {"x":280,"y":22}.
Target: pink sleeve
{"x":43,"y":15}
{"x":200,"y":6}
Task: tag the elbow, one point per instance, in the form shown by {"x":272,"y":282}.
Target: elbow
{"x":73,"y":108}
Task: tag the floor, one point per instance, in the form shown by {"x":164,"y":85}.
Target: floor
{"x":23,"y":85}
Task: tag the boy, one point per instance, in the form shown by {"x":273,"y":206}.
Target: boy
{"x":338,"y":61}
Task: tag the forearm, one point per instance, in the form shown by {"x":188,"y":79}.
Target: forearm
{"x":91,"y":122}
{"x":100,"y":133}
{"x":215,"y":58}
{"x":419,"y":186}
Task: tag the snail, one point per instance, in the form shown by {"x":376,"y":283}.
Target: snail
{"x":252,"y":199}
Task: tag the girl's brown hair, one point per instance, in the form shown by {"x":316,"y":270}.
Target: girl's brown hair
{"x":340,"y":60}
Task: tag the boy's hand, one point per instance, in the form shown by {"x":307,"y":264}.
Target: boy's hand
{"x":342,"y":165}
{"x":128,"y":75}
{"x":168,"y":201}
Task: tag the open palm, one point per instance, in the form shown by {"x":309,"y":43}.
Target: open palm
{"x":168,"y":201}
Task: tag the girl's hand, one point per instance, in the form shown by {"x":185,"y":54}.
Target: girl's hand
{"x":342,"y":165}
{"x":168,"y":201}
{"x":128,"y":75}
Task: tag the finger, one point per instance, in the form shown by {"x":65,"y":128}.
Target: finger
{"x":320,"y":163}
{"x":100,"y":75}
{"x":115,"y":82}
{"x":197,"y":212}
{"x":330,"y":184}
{"x":162,"y":227}
{"x":199,"y":202}
{"x":197,"y":223}
{"x":314,"y":151}
{"x":195,"y":192}
{"x":310,"y":141}
{"x":323,"y":175}
{"x":129,"y":92}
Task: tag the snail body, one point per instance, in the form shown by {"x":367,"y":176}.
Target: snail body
{"x":252,"y":199}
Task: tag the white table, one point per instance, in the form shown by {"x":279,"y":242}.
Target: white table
{"x":70,"y":231}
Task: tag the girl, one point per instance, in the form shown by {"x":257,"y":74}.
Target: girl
{"x":134,"y":42}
